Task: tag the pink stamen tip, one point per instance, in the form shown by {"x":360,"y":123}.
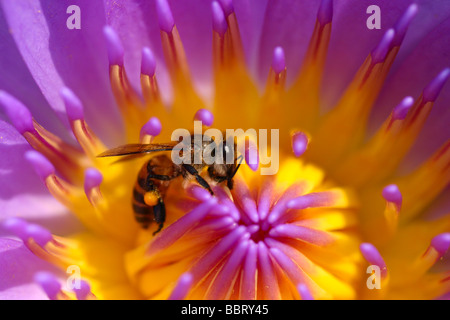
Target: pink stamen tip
{"x":252,"y":156}
{"x":83,"y":291}
{"x":74,"y":107}
{"x":304,"y":292}
{"x":380,"y":52}
{"x":92,"y":179}
{"x":219,"y":21}
{"x":252,"y":161}
{"x":432,"y":90}
{"x":391,"y":193}
{"x":165,"y":17}
{"x":299,"y":143}
{"x":403,"y":23}
{"x":371,"y":254}
{"x":316,"y":199}
{"x":221,"y":209}
{"x":182,"y":288}
{"x":441,"y":243}
{"x":16,"y":226}
{"x":401,"y":110}
{"x":49,"y":284}
{"x":205,"y":116}
{"x":148,"y":64}
{"x":114,"y":45}
{"x":40,"y":163}
{"x":325,"y":14}
{"x":199,"y":193}
{"x":38,"y":233}
{"x":278,"y":60}
{"x":177,"y":229}
{"x":153,"y":127}
{"x":18,"y":114}
{"x":227,"y":6}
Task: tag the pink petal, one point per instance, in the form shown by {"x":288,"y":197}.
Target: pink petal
{"x":22,"y":192}
{"x":17,"y":268}
{"x":418,"y":67}
{"x":57,"y":56}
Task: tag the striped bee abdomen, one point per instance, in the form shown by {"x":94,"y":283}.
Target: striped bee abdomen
{"x":149,"y":190}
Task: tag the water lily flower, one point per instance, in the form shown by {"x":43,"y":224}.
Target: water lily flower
{"x":358,"y":208}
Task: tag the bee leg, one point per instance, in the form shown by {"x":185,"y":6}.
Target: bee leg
{"x":159,"y":212}
{"x":199,"y":179}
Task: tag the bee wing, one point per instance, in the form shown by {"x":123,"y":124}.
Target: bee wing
{"x":137,"y":149}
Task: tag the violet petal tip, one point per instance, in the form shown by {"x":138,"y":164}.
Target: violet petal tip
{"x":304,"y":292}
{"x":373,"y":256}
{"x":92,"y":178}
{"x":278,"y":60}
{"x":38,"y":233}
{"x":16,"y":226}
{"x":18,"y":114}
{"x":391,"y":193}
{"x":49,"y":284}
{"x":205,"y":116}
{"x":441,"y":242}
{"x":148,"y":65}
{"x":114,"y":45}
{"x":83,"y":291}
{"x":325,"y":14}
{"x":74,"y":107}
{"x":403,"y":23}
{"x":40,"y":163}
{"x":165,"y":17}
{"x":432,"y":90}
{"x":227,"y":6}
{"x":380,"y":52}
{"x":219,"y":21}
{"x":402,"y":109}
{"x":299,"y":143}
{"x":182,"y":287}
{"x":152,"y":127}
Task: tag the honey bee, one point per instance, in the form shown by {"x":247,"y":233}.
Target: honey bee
{"x":159,"y":171}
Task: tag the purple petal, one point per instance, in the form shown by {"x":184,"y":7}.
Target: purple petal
{"x":114,"y":45}
{"x":205,"y":116}
{"x":423,"y":64}
{"x":136,"y":22}
{"x":23,"y":193}
{"x":49,"y":283}
{"x":288,"y":24}
{"x":373,"y":256}
{"x":165,"y":17}
{"x":391,"y":193}
{"x":148,"y":64}
{"x":251,"y":16}
{"x":17,"y":268}
{"x":177,"y":229}
{"x":278,"y":60}
{"x":182,"y":288}
{"x":57,"y":57}
{"x":351,"y":40}
{"x":17,"y":80}
{"x":304,"y":292}
{"x":219,"y":20}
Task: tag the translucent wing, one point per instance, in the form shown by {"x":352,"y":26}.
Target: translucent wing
{"x":135,"y":149}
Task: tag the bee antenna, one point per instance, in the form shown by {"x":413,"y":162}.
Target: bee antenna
{"x":241,"y":157}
